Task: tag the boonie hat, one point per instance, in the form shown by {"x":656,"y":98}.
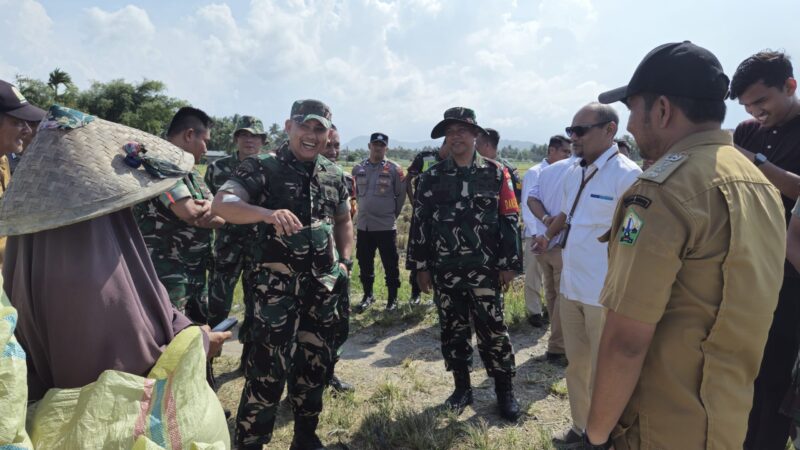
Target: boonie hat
{"x":252,"y":125}
{"x":680,"y":69}
{"x":305,"y":110}
{"x":459,"y":114}
{"x":379,"y":137}
{"x":79,"y":167}
{"x":13,"y":103}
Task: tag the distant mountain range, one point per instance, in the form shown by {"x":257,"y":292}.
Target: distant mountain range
{"x":360,"y":142}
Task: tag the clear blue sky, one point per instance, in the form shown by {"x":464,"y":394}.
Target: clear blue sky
{"x":394,"y":66}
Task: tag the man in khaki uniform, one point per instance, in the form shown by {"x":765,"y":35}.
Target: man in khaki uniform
{"x":696,"y":260}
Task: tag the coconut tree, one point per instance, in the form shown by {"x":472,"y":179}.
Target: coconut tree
{"x":57,"y":78}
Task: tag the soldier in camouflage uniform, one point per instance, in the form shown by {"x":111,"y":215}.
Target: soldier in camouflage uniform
{"x":176,"y":225}
{"x":299,"y":277}
{"x":421,"y":163}
{"x":231,"y":255}
{"x":465,"y":244}
{"x":343,"y":307}
{"x":487,"y":146}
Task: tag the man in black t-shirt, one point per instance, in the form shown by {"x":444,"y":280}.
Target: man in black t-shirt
{"x":764,"y":84}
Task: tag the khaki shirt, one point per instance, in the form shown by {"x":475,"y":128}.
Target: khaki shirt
{"x":381,"y":192}
{"x":697,"y":248}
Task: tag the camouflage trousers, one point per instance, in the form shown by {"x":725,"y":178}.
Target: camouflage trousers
{"x":231,"y":259}
{"x":294,"y":320}
{"x":484,"y":307}
{"x":185,"y":281}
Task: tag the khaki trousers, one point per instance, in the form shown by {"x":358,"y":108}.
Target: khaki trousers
{"x":550,"y":264}
{"x":533,"y":279}
{"x":582,"y":325}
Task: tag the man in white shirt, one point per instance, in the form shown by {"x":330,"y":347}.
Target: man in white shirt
{"x":537,"y":271}
{"x":592,"y":187}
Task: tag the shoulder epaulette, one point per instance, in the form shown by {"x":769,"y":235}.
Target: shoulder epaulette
{"x":660,"y":171}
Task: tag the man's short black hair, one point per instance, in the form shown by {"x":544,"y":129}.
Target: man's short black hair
{"x":493,"y":136}
{"x":696,"y":110}
{"x":770,"y":67}
{"x":559,"y":140}
{"x":189,"y":118}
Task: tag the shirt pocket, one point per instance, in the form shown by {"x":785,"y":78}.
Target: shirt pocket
{"x":383,"y":185}
{"x":600,"y":207}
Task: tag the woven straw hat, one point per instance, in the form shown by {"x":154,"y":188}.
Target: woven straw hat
{"x":75,"y":169}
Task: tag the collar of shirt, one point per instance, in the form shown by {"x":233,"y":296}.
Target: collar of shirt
{"x":370,"y":163}
{"x":601,"y":160}
{"x":478,"y":162}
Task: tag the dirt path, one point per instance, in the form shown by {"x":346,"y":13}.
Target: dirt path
{"x":406,"y":358}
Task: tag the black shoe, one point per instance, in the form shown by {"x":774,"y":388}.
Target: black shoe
{"x":305,"y":434}
{"x":568,"y":440}
{"x":340,"y":386}
{"x":558,"y":359}
{"x":462,"y":395}
{"x":509,"y":406}
{"x":306,"y":442}
{"x":536,"y":320}
{"x":391,"y":304}
{"x":414,"y":300}
{"x":366,"y":302}
{"x":459,"y":400}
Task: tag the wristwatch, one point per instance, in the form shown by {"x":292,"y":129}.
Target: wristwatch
{"x":589,"y":446}
{"x":347,"y":263}
{"x":759,"y":159}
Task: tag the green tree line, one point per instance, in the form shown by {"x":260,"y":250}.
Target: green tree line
{"x":144,"y":105}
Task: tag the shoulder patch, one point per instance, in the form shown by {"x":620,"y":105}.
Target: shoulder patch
{"x":636,"y":199}
{"x":660,"y":171}
{"x":631,"y":227}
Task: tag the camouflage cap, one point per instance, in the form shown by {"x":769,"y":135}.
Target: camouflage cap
{"x":250,"y":124}
{"x":305,"y":110}
{"x":458,"y":114}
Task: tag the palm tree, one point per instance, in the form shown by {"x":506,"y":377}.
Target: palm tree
{"x":58,"y":77}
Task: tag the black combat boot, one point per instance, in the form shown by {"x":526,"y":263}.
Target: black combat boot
{"x":305,"y":434}
{"x":338,"y":385}
{"x":506,"y":402}
{"x":391,"y":303}
{"x":367,"y":300}
{"x":462,"y":395}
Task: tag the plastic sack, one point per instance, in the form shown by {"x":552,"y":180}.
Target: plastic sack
{"x":173,"y":408}
{"x":13,"y":381}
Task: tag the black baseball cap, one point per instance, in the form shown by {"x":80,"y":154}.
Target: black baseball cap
{"x":379,"y":137}
{"x":681,"y":69}
{"x":13,"y":103}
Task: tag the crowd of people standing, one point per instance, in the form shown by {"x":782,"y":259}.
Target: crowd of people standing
{"x":670,"y":288}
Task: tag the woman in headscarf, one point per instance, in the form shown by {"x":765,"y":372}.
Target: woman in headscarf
{"x":76,"y":268}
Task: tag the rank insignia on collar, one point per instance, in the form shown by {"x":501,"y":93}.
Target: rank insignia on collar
{"x":631,"y":227}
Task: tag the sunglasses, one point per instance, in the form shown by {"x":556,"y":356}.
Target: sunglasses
{"x":580,"y":130}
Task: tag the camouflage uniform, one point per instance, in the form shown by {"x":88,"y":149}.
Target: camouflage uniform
{"x":421,"y":163}
{"x":464,"y":231}
{"x":231,"y":256}
{"x":181,"y":253}
{"x":342,"y":327}
{"x":296,"y":284}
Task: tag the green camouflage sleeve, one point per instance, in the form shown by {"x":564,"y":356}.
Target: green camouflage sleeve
{"x":251,"y":176}
{"x":209,"y":178}
{"x":420,"y":236}
{"x":344,"y":197}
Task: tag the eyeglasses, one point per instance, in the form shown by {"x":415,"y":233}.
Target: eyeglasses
{"x":455,"y":129}
{"x":580,"y":130}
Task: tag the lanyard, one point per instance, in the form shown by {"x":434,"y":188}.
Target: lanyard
{"x":584,"y":181}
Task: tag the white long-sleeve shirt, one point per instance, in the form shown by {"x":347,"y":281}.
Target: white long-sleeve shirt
{"x":586,"y":258}
{"x":528,"y":181}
